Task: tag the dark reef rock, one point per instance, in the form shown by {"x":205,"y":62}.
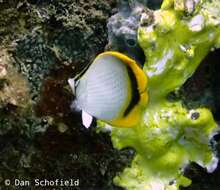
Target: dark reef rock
{"x":48,"y":42}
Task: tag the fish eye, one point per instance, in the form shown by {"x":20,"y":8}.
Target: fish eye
{"x":131,"y":42}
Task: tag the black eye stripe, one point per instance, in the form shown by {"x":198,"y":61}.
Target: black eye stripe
{"x":134,"y":91}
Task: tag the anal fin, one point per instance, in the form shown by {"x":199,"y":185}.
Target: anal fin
{"x":86,"y":119}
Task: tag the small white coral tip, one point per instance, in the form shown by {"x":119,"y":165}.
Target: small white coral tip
{"x":86,"y":119}
{"x":212,"y":165}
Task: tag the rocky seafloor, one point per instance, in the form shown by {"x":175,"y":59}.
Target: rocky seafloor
{"x":42,"y":44}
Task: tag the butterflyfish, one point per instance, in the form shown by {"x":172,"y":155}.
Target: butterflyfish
{"x":112,"y":89}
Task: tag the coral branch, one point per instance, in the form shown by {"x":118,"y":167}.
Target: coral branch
{"x":175,"y":39}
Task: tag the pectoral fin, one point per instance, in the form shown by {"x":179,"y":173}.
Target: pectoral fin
{"x":72,"y":84}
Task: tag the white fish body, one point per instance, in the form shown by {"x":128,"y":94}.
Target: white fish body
{"x":103,"y":90}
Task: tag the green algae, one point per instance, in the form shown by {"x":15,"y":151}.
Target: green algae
{"x":170,"y":136}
